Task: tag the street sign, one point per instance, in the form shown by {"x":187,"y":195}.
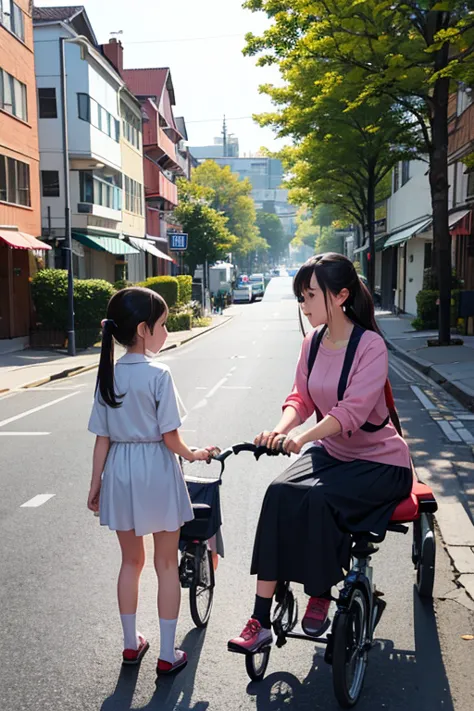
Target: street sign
{"x":178,"y":241}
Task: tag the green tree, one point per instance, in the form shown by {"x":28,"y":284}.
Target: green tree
{"x":231,"y":197}
{"x":271,"y":230}
{"x":209,"y":236}
{"x":410,"y":52}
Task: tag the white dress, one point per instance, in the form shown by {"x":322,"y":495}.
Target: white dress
{"x":143,"y":488}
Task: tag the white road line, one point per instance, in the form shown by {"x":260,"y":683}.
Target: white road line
{"x":232,"y":369}
{"x":464,"y":416}
{"x":450,"y":433}
{"x":200,"y":387}
{"x":425,"y":401}
{"x":37,"y":501}
{"x":407,"y":379}
{"x":24,"y":434}
{"x":36,"y":409}
{"x":465,"y":435}
{"x":417,"y":374}
{"x":216,"y":387}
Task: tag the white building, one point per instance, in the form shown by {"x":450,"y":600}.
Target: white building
{"x":94,"y":126}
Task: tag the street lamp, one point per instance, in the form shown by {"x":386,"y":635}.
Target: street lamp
{"x":71,"y":334}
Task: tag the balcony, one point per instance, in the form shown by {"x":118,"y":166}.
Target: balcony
{"x":461,"y":136}
{"x":157,"y":144}
{"x":158,"y":185}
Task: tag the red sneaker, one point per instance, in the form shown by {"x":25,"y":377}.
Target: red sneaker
{"x":251,"y":639}
{"x":163,"y":668}
{"x":315,"y":621}
{"x":135,"y":656}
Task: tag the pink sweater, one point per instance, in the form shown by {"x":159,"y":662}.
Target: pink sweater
{"x":364,"y":401}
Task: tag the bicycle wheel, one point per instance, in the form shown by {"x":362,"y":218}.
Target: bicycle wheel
{"x":201,"y":593}
{"x":256,"y":664}
{"x":349,"y":659}
{"x":425,"y":564}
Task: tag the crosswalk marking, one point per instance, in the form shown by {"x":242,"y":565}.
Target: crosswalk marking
{"x":36,"y":501}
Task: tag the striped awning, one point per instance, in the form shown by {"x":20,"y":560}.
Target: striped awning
{"x":22,"y":240}
{"x":113,"y":245}
{"x":146,"y":246}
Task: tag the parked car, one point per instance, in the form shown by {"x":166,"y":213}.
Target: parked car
{"x":258,"y":285}
{"x":243,"y":293}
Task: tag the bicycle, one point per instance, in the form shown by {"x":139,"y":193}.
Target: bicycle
{"x":359,"y":606}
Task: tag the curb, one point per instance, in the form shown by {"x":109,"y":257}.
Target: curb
{"x":79,"y":370}
{"x":429,"y":369}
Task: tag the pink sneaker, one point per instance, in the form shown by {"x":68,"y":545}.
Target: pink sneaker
{"x":253,"y":638}
{"x":134,"y":656}
{"x":315,"y":621}
{"x":163,"y":668}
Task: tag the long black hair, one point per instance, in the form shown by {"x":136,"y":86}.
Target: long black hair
{"x":335,"y":272}
{"x":125,"y":311}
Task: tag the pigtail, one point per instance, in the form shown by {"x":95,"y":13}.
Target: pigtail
{"x":105,"y":376}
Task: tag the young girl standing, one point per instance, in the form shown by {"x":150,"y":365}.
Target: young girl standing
{"x":137,"y":484}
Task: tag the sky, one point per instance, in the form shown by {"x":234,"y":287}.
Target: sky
{"x":201,"y":41}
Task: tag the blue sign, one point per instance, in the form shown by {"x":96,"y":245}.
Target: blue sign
{"x":178,"y":241}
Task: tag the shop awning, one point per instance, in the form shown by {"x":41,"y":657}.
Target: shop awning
{"x":456,"y":217}
{"x":22,"y":240}
{"x":399,"y":238}
{"x":146,"y":246}
{"x":113,"y":245}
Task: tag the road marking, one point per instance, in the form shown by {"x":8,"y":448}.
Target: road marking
{"x":201,"y":387}
{"x":24,"y":434}
{"x":216,"y":387}
{"x":36,"y":409}
{"x":407,"y":379}
{"x":232,"y":369}
{"x":37,"y":501}
{"x":466,"y":435}
{"x":425,"y":401}
{"x":450,"y":433}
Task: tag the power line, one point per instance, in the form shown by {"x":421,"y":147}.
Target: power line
{"x":183,"y":39}
{"x":235,"y":118}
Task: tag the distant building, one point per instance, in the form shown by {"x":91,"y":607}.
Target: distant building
{"x":216,"y":150}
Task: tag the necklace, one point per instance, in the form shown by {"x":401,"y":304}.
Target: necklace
{"x":336,"y":343}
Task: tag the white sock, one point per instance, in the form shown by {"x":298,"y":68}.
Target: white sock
{"x":130,"y":635}
{"x":167,"y":640}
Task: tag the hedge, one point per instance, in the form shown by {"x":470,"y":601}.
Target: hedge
{"x":180,"y":321}
{"x":166,"y":286}
{"x":91,"y":296}
{"x":185,"y":288}
{"x":427,"y":309}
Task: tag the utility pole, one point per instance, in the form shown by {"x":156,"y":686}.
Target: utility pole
{"x":224,"y":137}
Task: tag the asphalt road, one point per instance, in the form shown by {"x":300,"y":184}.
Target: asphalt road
{"x":60,"y":641}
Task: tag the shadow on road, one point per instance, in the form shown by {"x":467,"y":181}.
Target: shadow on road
{"x":169,"y":690}
{"x":396,"y":679}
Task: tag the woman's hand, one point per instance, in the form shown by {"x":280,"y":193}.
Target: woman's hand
{"x":206,"y":454}
{"x":268,"y":439}
{"x":93,"y":500}
{"x":293,"y":445}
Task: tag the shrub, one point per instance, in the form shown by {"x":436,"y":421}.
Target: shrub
{"x":427,"y":309}
{"x":91,"y":297}
{"x":165,"y":286}
{"x":202,"y":322}
{"x":122,"y":284}
{"x":49,"y":292}
{"x":185,"y":288}
{"x":180,"y":321}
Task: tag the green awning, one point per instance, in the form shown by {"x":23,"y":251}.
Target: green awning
{"x":399,"y":238}
{"x":113,"y":245}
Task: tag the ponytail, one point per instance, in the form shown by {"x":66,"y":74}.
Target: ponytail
{"x":360,"y":307}
{"x":105,"y":376}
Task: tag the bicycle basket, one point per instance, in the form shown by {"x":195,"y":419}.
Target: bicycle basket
{"x":203,"y":491}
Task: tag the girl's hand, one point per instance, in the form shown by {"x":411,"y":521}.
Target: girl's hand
{"x":267,"y":439}
{"x":206,"y":454}
{"x":292,"y":445}
{"x":93,"y":500}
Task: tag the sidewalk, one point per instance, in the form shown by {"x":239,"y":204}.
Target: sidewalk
{"x":452,"y":367}
{"x":29,"y":368}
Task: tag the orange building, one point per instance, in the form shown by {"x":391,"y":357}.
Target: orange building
{"x":20,"y":221}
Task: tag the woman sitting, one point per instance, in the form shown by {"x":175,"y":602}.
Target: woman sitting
{"x":356,"y":471}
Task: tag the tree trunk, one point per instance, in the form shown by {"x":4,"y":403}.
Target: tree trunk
{"x":371,"y":230}
{"x":440,"y":205}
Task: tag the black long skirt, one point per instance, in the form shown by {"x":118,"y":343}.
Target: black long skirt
{"x":308,"y":513}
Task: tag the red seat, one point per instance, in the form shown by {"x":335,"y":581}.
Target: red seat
{"x":407,"y":510}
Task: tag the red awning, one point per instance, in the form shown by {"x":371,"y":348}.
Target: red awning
{"x":21,"y":240}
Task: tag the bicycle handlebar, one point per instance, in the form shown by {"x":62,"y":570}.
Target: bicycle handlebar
{"x":246,"y":447}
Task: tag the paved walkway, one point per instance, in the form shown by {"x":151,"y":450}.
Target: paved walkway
{"x":450,"y":366}
{"x":29,"y":368}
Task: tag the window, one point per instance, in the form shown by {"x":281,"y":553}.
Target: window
{"x":11,"y":17}
{"x":95,"y":114}
{"x":133,"y":196}
{"x":47,"y":104}
{"x":405,"y":172}
{"x":396,"y":177}
{"x":470,"y":185}
{"x":13,"y":96}
{"x":131,"y":127}
{"x":99,"y":191}
{"x":14,"y":181}
{"x":50,"y":182}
